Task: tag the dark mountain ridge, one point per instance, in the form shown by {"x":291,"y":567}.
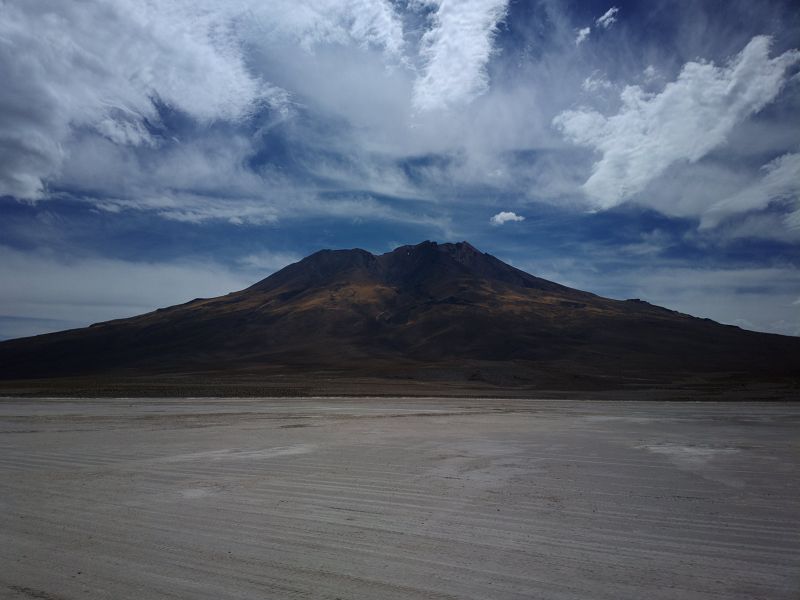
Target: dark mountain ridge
{"x":417,"y":310}
{"x":403,"y":267}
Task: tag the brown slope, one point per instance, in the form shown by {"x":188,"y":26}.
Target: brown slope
{"x":427,"y":304}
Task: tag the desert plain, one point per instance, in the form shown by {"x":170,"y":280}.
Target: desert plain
{"x":398,"y":498}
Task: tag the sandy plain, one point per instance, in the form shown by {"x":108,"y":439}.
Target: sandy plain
{"x":398,"y":498}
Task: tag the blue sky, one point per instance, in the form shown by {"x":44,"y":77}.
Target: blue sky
{"x":153,"y":152}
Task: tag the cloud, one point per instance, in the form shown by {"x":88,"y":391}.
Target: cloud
{"x":504,"y":217}
{"x":310,"y":23}
{"x":312,"y":96}
{"x":109,"y":65}
{"x":106,"y":66}
{"x":255,"y":211}
{"x":650,"y":73}
{"x":608,"y":18}
{"x":455,"y":51}
{"x":685,"y":121}
{"x":605,"y":21}
{"x":290,"y":115}
{"x":196,"y":209}
{"x":254,"y":113}
{"x":596,"y":83}
{"x":781,"y":181}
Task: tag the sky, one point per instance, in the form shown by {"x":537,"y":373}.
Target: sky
{"x":154,"y":151}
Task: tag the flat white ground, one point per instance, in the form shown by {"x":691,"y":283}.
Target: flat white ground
{"x":398,"y":498}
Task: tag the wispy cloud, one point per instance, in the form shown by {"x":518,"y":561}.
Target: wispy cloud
{"x":198,"y":209}
{"x":455,"y":51}
{"x":608,"y":18}
{"x":596,"y":83}
{"x":781,"y":181}
{"x":583,"y":34}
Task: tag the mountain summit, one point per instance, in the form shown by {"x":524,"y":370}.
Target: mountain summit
{"x":404,"y":267}
{"x":426,"y":310}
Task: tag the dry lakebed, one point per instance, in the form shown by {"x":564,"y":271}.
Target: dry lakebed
{"x":390,"y":498}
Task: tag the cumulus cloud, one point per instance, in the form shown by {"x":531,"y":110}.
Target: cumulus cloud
{"x":456,"y":50}
{"x":608,"y":18}
{"x":685,"y":121}
{"x":582,"y":35}
{"x":504,"y":217}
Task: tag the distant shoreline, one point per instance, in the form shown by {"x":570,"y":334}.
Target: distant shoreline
{"x":188,"y":387}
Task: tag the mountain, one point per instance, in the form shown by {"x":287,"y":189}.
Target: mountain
{"x":430,"y":311}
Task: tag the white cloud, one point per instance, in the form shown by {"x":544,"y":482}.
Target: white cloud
{"x":314,"y":22}
{"x":608,"y":18}
{"x":456,"y":50}
{"x":689,"y":118}
{"x":781,"y":181}
{"x":792,"y":221}
{"x":339,"y":74}
{"x":102,"y":65}
{"x":353,"y":102}
{"x":505,"y":217}
{"x":195,"y":209}
{"x":605,"y":21}
{"x":596,"y":83}
{"x":291,"y":205}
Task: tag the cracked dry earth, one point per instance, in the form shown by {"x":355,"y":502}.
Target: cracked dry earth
{"x":398,"y":498}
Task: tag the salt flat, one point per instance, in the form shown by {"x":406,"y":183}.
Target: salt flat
{"x":398,"y":498}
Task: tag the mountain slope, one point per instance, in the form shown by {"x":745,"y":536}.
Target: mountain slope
{"x":416,"y":307}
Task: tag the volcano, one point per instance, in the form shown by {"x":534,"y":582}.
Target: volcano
{"x":430,"y":310}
